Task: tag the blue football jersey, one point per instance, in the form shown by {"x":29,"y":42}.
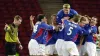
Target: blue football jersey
{"x":51,"y":37}
{"x":61,"y":14}
{"x":40,"y":32}
{"x":93,"y":30}
{"x":71,"y":31}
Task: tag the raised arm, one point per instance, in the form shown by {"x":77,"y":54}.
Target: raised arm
{"x":31,"y":21}
{"x":7,"y":27}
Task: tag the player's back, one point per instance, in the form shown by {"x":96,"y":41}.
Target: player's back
{"x":51,"y":37}
{"x":40,"y":32}
{"x":71,"y":30}
{"x":37,"y":31}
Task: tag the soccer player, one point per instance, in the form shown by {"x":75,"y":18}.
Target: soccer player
{"x":81,"y":40}
{"x":37,"y":43}
{"x":51,"y":39}
{"x":11,"y":36}
{"x":71,"y":31}
{"x":90,"y":42}
{"x":66,"y":11}
{"x":60,"y":40}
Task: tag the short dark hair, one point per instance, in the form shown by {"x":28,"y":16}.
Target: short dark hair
{"x":40,"y":17}
{"x":17,"y":17}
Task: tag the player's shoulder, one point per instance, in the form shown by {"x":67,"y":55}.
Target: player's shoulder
{"x":95,"y":27}
{"x":78,"y":26}
{"x":37,"y":23}
{"x":60,"y":11}
{"x":43,"y":24}
{"x":87,"y":26}
{"x":73,"y":11}
{"x":67,"y":21}
{"x":11,"y":25}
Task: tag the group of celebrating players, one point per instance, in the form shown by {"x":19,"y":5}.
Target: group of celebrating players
{"x":69,"y":34}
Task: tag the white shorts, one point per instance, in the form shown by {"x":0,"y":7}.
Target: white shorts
{"x":82,"y":50}
{"x":69,"y":48}
{"x":90,"y":48}
{"x":50,"y":49}
{"x":58,"y":46}
{"x":41,"y":49}
{"x":33,"y":47}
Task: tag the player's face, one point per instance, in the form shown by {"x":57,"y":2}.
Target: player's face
{"x":87,"y":20}
{"x":66,"y":11}
{"x":93,"y":21}
{"x":54,"y":18}
{"x":82,"y":23}
{"x":45,"y":19}
{"x":18,"y":22}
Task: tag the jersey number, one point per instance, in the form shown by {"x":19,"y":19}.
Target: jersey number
{"x":35,"y":28}
{"x":70,"y":31}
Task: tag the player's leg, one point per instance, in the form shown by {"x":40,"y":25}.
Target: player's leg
{"x":31,"y":50}
{"x":58,"y":46}
{"x":33,"y":47}
{"x":71,"y":48}
{"x":10,"y":49}
{"x":93,"y":49}
{"x":64,"y":50}
{"x":74,"y":51}
{"x":90,"y":48}
{"x":54,"y":51}
{"x":49,"y":50}
{"x":42,"y":50}
{"x":81,"y":50}
{"x":85,"y":47}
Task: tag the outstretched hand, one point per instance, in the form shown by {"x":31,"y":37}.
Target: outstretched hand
{"x":6,"y":25}
{"x":32,"y":17}
{"x":21,"y":47}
